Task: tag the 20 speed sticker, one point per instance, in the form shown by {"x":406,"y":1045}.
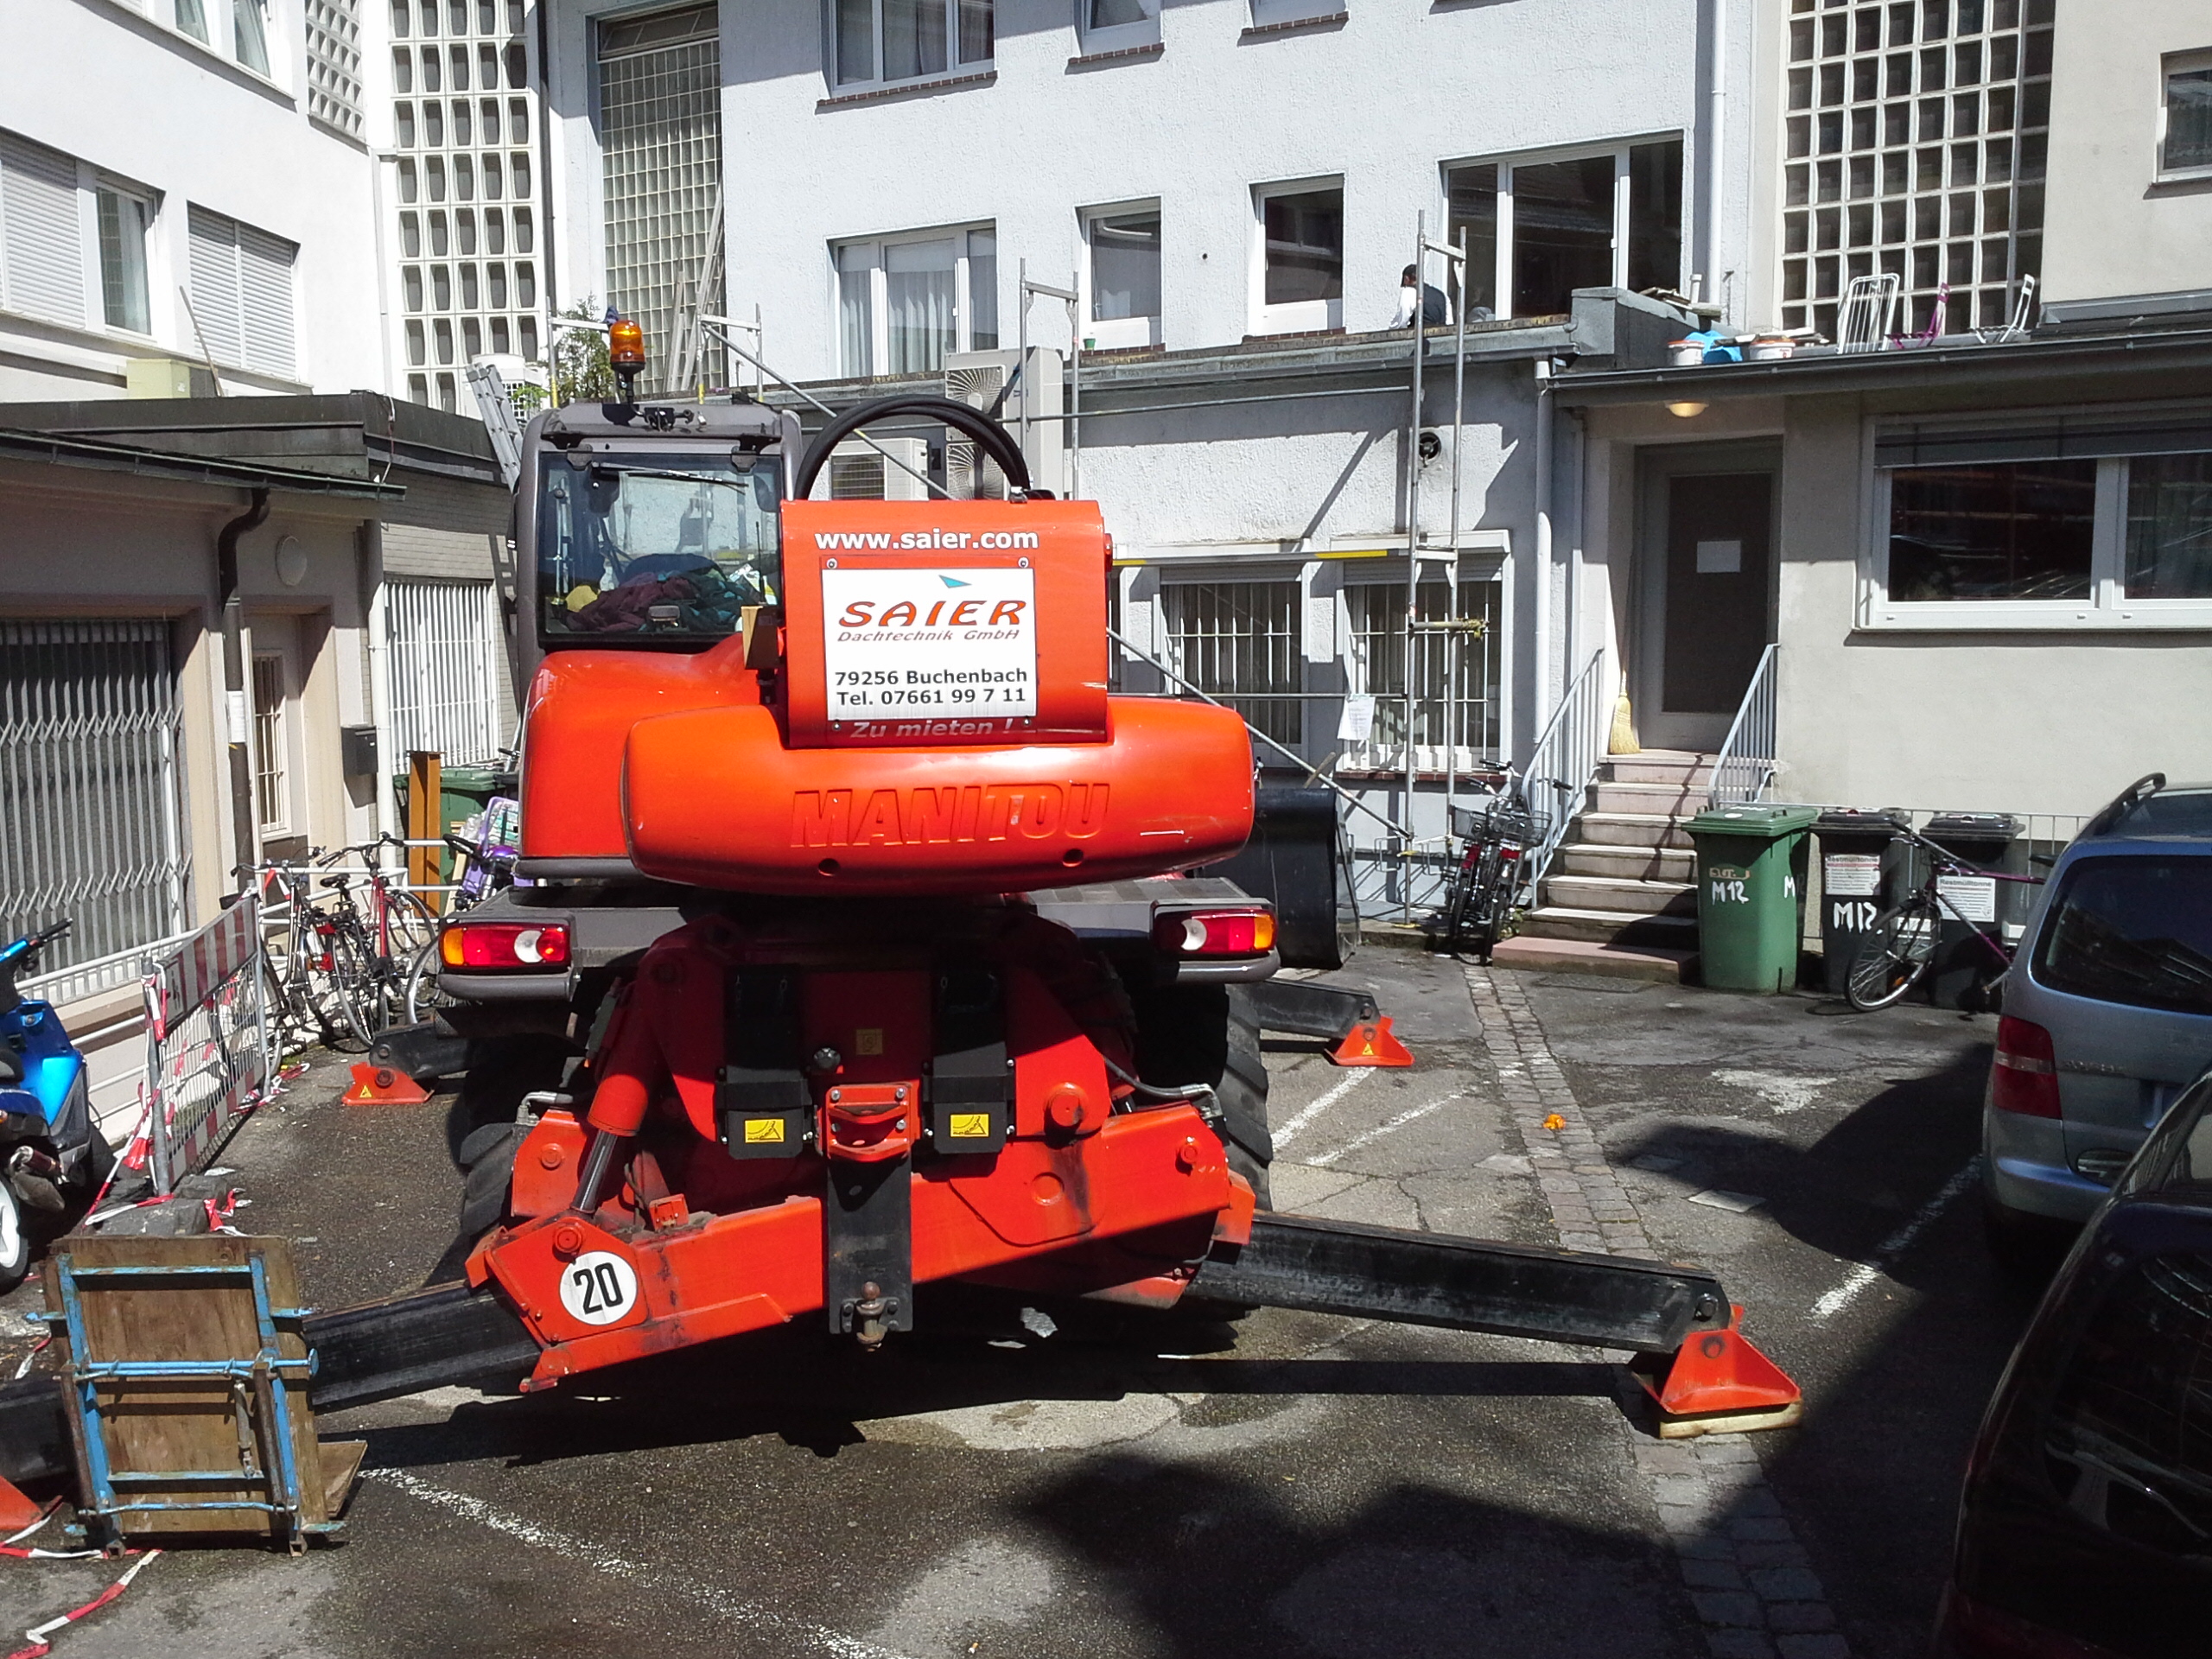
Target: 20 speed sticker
{"x":599,"y":1288}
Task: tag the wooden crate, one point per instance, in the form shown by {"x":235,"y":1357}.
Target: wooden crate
{"x":163,"y":1454}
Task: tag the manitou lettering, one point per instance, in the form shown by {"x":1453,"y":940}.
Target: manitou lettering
{"x":970,"y":812}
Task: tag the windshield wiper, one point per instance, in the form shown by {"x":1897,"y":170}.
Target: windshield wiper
{"x":722,"y":481}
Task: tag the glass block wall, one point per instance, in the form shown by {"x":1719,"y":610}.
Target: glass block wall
{"x":464,"y":122}
{"x":661,"y":147}
{"x":1915,"y":141}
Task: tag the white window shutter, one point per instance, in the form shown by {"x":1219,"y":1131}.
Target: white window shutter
{"x":44,"y":248}
{"x":265,"y":295}
{"x":215,"y":274}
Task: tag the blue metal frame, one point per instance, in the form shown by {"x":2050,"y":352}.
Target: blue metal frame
{"x":268,"y":1373}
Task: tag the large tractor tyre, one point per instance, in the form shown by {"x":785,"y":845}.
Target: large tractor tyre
{"x":501,"y":1071}
{"x":1210,"y":1035}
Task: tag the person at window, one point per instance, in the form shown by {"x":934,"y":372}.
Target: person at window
{"x":1434,"y":313}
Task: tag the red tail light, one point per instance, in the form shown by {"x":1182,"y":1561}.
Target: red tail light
{"x":504,"y":944}
{"x":1506,"y":855}
{"x":2024,"y":1079}
{"x":1216,"y":933}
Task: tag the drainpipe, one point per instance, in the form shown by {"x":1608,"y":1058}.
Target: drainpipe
{"x":1578,"y":433}
{"x":379,"y":674}
{"x":1539,"y":699}
{"x":1716,"y":35}
{"x":243,"y":821}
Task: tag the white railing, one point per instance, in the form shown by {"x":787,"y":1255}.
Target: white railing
{"x":85,"y":979}
{"x":1561,"y":767}
{"x":1744,"y":769}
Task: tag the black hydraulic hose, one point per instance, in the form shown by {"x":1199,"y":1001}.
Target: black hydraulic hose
{"x":995,"y":439}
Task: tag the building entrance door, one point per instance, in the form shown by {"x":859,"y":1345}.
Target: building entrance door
{"x":1705,"y":557}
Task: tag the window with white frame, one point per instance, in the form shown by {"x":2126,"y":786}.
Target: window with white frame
{"x":1540,"y":227}
{"x":882,"y":42}
{"x":1118,"y":25}
{"x":2185,"y":138}
{"x":1240,"y":641}
{"x":242,"y":298}
{"x":2096,"y":522}
{"x":1456,"y":693}
{"x":904,"y":302}
{"x":44,"y":220}
{"x":272,"y":770}
{"x":1299,"y":257}
{"x":1122,"y":276}
{"x":125,"y":215}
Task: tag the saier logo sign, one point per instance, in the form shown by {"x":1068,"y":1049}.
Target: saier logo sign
{"x":901,"y":645}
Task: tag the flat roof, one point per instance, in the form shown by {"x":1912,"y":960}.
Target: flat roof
{"x":1951,"y":361}
{"x":60,"y":450}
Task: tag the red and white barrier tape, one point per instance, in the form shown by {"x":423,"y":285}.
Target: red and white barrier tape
{"x":39,"y":1633}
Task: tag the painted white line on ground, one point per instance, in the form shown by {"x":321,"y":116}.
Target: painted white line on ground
{"x":603,"y":1560}
{"x":1381,"y":1130}
{"x":1327,"y":1098}
{"x":1894,"y":1246}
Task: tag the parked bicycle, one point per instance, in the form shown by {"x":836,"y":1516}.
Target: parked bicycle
{"x":1484,"y":885}
{"x":1896,"y":953}
{"x":345,"y":972}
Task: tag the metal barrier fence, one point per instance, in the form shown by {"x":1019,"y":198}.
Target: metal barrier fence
{"x":209,"y":1058}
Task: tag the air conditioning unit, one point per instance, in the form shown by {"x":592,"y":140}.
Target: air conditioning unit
{"x":980,"y":379}
{"x":858,"y":472}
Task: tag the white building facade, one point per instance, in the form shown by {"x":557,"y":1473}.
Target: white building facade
{"x":193,"y":193}
{"x":1231,"y":190}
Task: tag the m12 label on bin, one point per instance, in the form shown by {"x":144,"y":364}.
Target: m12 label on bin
{"x":1851,"y":875}
{"x":1974,"y":897}
{"x":934,"y":643}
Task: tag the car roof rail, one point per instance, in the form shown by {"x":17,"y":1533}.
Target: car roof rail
{"x":2149,"y":783}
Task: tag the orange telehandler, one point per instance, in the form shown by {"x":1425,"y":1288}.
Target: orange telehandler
{"x":864,"y":945}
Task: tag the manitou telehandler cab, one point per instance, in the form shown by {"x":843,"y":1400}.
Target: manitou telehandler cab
{"x":869,"y":947}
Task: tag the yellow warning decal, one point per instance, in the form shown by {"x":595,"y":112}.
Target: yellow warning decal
{"x":764,"y":1131}
{"x":972,"y":1126}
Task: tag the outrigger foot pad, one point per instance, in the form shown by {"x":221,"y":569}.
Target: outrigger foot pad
{"x":384,"y":1085}
{"x":1372,"y":1043}
{"x":1718,"y":1383}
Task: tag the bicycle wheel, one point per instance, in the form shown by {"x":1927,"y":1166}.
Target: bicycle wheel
{"x":424,"y":998}
{"x":308,"y":988}
{"x":1893,"y":955}
{"x":358,"y":987}
{"x":1456,"y":903}
{"x":1487,"y":913}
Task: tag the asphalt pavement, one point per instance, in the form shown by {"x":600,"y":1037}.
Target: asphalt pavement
{"x":1293,"y":1484}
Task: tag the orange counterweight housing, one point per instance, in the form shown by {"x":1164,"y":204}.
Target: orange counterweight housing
{"x":715,"y":801}
{"x":577,"y":717}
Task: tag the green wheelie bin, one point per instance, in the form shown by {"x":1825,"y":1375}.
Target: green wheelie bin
{"x":1751,"y":893}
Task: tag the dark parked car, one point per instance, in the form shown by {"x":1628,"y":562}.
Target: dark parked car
{"x":2085,"y":1530}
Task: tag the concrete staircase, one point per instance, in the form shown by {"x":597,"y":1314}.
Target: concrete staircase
{"x":1620,"y":898}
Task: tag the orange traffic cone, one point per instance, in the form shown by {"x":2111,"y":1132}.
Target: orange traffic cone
{"x":1718,"y":1383}
{"x":384,"y":1085}
{"x":16,"y":1511}
{"x":1370,"y":1043}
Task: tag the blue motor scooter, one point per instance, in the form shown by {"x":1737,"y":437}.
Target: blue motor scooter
{"x":51,"y":1156}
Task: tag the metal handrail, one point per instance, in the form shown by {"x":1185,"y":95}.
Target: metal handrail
{"x":1746,"y":767}
{"x":1563,"y":765}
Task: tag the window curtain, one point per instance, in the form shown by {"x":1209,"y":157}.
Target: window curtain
{"x":856,"y":309}
{"x":919,"y":305}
